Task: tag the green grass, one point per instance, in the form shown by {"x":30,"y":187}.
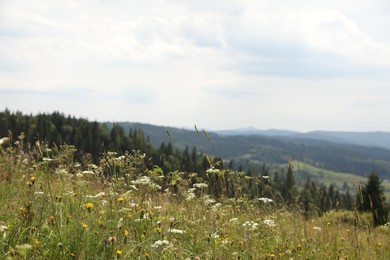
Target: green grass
{"x":328,"y":176}
{"x":59,"y":209}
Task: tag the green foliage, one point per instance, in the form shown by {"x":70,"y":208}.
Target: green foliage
{"x":371,"y":198}
{"x":55,"y":207}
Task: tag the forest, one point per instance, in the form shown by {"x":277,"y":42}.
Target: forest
{"x":92,"y":141}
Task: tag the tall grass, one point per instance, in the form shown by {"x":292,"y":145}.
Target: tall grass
{"x":54,"y":208}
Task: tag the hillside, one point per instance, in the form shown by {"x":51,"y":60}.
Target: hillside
{"x":275,"y":149}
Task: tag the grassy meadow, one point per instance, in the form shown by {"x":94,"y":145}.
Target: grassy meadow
{"x":52,"y":207}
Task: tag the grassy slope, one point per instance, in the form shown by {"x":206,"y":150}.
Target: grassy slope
{"x":57,"y":210}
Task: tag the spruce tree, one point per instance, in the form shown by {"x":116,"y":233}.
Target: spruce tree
{"x":372,"y":199}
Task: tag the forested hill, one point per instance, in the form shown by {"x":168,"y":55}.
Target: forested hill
{"x":93,"y":139}
{"x":179,"y":149}
{"x":257,"y":149}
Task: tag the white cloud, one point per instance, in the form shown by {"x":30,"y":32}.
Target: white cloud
{"x":198,"y":61}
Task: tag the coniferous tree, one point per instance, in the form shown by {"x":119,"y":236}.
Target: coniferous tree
{"x":372,"y":199}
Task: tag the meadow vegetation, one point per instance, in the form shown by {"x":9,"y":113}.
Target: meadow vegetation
{"x":53,"y":206}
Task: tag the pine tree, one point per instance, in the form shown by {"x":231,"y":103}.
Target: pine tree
{"x":372,"y":199}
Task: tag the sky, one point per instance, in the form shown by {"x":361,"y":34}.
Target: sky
{"x":221,"y":64}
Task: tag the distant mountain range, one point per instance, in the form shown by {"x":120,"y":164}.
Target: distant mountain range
{"x":355,"y":153}
{"x":369,"y":139}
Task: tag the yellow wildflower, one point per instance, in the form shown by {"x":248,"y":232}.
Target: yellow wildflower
{"x":85,"y":225}
{"x":89,"y":206}
{"x":120,"y":199}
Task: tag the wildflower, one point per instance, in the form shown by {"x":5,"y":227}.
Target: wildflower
{"x":68,"y":216}
{"x":212,"y":170}
{"x":269,"y":222}
{"x":224,"y":241}
{"x":265,"y":200}
{"x":120,"y":199}
{"x":51,"y":219}
{"x":176,"y":231}
{"x":4,"y":140}
{"x":317,"y":229}
{"x":160,"y":243}
{"x":209,"y":201}
{"x":251,"y":225}
{"x":89,"y":206}
{"x":126,"y":233}
{"x":32,"y":179}
{"x":214,"y":235}
{"x":190,"y":196}
{"x":37,"y":242}
{"x":84,"y":225}
{"x":118,"y":253}
{"x":200,"y":185}
{"x":88,"y":172}
{"x":4,"y":229}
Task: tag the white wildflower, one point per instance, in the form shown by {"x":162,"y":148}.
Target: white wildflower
{"x":214,"y":235}
{"x":3,"y":228}
{"x":224,"y":242}
{"x":200,"y":185}
{"x":88,"y":173}
{"x":100,"y":194}
{"x":265,"y":200}
{"x":269,"y":222}
{"x":143,"y":180}
{"x":218,"y":205}
{"x":133,"y":187}
{"x":133,"y":204}
{"x":62,"y":171}
{"x":251,"y":225}
{"x":317,"y":229}
{"x":4,"y":140}
{"x":176,"y":231}
{"x":160,"y":243}
{"x":190,"y":196}
{"x":212,"y":170}
{"x":208,"y":201}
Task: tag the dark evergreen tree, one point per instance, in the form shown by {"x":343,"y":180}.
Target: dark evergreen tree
{"x":372,"y":199}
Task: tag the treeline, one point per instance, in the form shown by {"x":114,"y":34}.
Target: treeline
{"x":93,"y":140}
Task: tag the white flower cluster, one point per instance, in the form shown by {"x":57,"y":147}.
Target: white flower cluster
{"x":100,"y":194}
{"x":251,"y":225}
{"x":317,"y":229}
{"x":146,"y":181}
{"x":176,"y":231}
{"x":200,"y":185}
{"x":212,"y":170}
{"x":190,"y":194}
{"x":160,"y":243}
{"x":265,"y":200}
{"x":209,"y":201}
{"x":4,"y":140}
{"x":269,"y":222}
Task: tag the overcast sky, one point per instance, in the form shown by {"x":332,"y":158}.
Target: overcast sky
{"x":220,"y":64}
